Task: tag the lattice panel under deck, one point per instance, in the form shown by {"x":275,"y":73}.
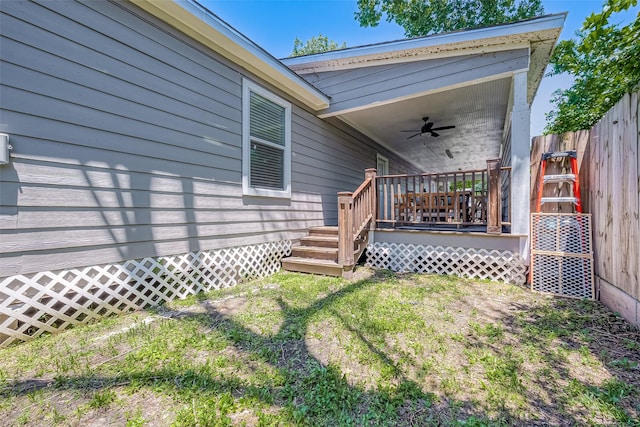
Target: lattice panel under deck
{"x":52,"y":301}
{"x":562,"y":255}
{"x":465,"y":262}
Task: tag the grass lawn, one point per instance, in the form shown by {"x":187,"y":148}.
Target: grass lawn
{"x":292,"y":349}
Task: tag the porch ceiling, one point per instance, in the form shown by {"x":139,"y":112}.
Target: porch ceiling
{"x":477,"y":111}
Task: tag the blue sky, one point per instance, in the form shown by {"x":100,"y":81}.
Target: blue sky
{"x":274,"y":25}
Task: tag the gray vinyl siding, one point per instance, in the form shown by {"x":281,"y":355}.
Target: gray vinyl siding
{"x":127,"y":144}
{"x":359,"y":87}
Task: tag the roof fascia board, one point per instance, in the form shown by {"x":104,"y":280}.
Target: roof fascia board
{"x":338,"y":113}
{"x":455,"y":41}
{"x":196,"y":22}
{"x":479,"y":50}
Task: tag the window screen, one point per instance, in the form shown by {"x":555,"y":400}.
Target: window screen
{"x":267,"y":133}
{"x":266,"y":166}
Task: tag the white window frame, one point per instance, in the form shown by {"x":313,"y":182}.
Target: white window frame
{"x":248,"y":87}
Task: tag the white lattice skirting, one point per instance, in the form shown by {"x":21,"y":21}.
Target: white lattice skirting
{"x":464,"y":262}
{"x":31,"y":305}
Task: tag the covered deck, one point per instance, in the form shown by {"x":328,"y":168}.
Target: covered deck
{"x":450,"y":114}
{"x":448,"y":223}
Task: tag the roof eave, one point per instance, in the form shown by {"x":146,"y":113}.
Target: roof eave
{"x":539,"y":34}
{"x":196,"y":22}
{"x":453,"y":40}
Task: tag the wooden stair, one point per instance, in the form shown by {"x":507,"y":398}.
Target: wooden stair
{"x":317,"y":253}
{"x":328,"y":250}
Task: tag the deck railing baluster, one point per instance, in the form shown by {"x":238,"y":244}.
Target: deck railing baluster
{"x":454,"y":198}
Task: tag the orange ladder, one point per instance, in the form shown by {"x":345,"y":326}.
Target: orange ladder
{"x":555,"y":179}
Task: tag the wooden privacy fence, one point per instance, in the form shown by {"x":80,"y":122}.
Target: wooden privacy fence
{"x":614,"y":200}
{"x":608,"y":159}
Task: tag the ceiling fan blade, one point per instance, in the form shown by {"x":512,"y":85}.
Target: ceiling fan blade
{"x":427,"y":128}
{"x":444,"y":127}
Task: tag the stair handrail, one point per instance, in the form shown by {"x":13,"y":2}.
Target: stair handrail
{"x":356,"y":215}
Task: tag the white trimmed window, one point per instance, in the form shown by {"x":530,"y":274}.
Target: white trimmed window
{"x":266,"y":143}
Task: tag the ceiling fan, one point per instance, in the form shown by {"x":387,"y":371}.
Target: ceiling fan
{"x":427,"y":128}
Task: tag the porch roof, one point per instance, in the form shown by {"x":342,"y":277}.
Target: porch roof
{"x":462,"y":78}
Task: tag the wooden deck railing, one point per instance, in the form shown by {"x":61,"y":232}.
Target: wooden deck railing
{"x":356,"y":214}
{"x":463,"y":198}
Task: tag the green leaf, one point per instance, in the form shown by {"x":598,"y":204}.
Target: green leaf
{"x":423,"y":17}
{"x":604,"y":61}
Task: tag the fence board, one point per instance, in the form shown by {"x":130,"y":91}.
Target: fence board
{"x":635,"y":190}
{"x":629,"y":256}
{"x":615,"y":187}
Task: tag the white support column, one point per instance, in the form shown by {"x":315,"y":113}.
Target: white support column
{"x":520,"y":163}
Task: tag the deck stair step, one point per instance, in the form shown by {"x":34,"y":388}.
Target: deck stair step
{"x":323,"y":231}
{"x":313,"y":266}
{"x":316,"y":254}
{"x":320,"y":241}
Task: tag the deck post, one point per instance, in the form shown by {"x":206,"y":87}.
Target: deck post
{"x":371,"y":173}
{"x":494,"y":211}
{"x":520,"y":161}
{"x":345,"y":228}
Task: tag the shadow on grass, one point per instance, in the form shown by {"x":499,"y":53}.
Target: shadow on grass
{"x":307,"y":392}
{"x":572,"y":336}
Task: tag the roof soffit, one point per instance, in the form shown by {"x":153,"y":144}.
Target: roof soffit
{"x":371,"y":87}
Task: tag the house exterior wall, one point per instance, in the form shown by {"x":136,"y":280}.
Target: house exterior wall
{"x":127,"y":143}
{"x":355,"y":88}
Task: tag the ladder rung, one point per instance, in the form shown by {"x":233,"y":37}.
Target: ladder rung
{"x":558,"y":200}
{"x":560,"y":178}
{"x":552,"y":155}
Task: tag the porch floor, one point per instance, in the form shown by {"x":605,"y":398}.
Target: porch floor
{"x":479,"y":228}
{"x":445,"y":227}
{"x":474,"y":236}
